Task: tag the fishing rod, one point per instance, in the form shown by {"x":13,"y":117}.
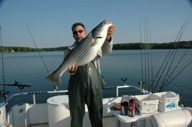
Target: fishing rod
{"x":141,"y":50}
{"x":166,"y":79}
{"x":158,"y":72}
{"x":148,"y":54}
{"x":37,"y":48}
{"x":164,"y":69}
{"x":141,"y":82}
{"x":174,"y":54}
{"x":145,"y":54}
{"x":151,"y":54}
{"x":183,"y":27}
{"x":17,"y":84}
{"x":177,"y":75}
{"x":167,"y":59}
{"x":3,"y":93}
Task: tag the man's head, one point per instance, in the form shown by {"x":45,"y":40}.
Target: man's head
{"x":79,"y":31}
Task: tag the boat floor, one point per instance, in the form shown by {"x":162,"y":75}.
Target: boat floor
{"x":42,"y":125}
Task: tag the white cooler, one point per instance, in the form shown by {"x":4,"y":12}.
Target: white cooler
{"x":168,"y":101}
{"x":146,"y":104}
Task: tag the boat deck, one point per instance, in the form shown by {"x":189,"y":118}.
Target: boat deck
{"x":48,"y":114}
{"x":42,"y":125}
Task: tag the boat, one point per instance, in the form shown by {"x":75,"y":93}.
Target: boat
{"x":55,"y":112}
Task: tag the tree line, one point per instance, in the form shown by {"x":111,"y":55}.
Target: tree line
{"x":119,"y":46}
{"x":29,"y":49}
{"x":170,"y":45}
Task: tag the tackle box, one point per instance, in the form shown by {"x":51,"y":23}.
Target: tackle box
{"x":146,"y":104}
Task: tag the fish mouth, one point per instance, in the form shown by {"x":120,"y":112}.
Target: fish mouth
{"x":106,"y":22}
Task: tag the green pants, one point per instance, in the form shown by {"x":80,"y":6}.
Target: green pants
{"x":86,"y":87}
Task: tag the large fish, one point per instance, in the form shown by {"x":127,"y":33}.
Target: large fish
{"x":84,"y":52}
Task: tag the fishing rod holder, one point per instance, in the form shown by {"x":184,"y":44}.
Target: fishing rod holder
{"x":124,"y":79}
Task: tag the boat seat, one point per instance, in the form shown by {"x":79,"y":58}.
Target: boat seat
{"x":177,"y":118}
{"x":189,"y":109}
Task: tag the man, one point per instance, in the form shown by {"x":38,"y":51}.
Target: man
{"x":86,"y":83}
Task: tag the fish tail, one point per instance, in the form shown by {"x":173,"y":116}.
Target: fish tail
{"x":54,"y":78}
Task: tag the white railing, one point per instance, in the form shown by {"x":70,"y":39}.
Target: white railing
{"x":37,"y":92}
{"x":129,"y":86}
{"x":66,"y":91}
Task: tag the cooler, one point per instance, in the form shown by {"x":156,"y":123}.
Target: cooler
{"x":168,"y":101}
{"x":146,"y":104}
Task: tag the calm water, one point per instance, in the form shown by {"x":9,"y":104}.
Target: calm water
{"x":27,"y":68}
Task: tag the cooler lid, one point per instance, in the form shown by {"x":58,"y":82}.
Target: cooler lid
{"x":58,"y":100}
{"x":170,"y":95}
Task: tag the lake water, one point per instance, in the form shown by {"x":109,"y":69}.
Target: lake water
{"x":28,"y":68}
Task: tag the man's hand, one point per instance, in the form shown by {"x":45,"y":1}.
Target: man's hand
{"x":73,"y":68}
{"x":110,"y":31}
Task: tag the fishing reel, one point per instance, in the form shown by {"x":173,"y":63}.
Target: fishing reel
{"x":19,"y":85}
{"x":4,"y":93}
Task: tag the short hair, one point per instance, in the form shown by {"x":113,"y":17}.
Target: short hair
{"x":77,"y":24}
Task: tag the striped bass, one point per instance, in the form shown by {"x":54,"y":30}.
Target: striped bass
{"x":84,"y":52}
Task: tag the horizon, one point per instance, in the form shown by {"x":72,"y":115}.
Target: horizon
{"x":190,"y":41}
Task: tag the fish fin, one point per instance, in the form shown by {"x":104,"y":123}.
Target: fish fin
{"x":54,"y":78}
{"x":93,"y":43}
{"x":56,"y":86}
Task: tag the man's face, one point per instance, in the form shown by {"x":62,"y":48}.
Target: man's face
{"x":79,"y":33}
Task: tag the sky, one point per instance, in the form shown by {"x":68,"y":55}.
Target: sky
{"x":50,"y":21}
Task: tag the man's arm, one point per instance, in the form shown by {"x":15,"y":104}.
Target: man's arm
{"x":110,"y":31}
{"x":108,"y":44}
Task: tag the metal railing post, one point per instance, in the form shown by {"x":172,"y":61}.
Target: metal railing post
{"x":34,"y":99}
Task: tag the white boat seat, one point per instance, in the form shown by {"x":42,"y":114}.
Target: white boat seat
{"x":189,"y":109}
{"x":177,"y":118}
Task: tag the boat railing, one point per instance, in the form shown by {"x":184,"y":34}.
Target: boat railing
{"x":38,"y":92}
{"x":65,"y":92}
{"x":126,"y":86}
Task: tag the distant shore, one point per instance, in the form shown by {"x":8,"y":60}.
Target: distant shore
{"x":119,"y":46}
